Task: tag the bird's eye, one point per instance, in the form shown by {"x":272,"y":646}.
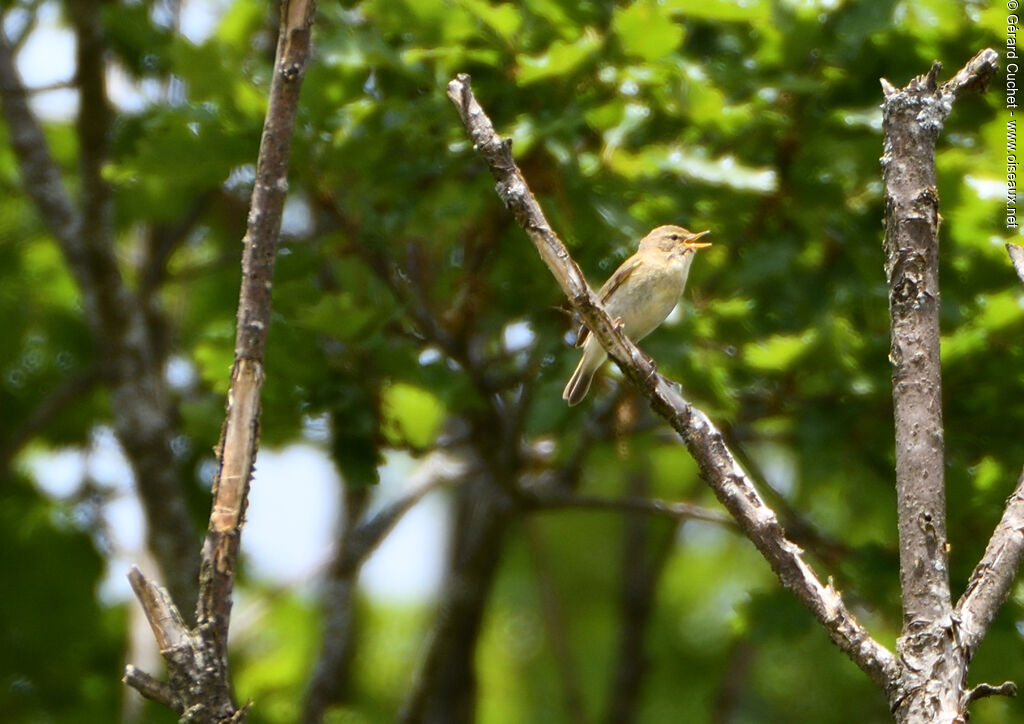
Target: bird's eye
{"x":673,"y":237}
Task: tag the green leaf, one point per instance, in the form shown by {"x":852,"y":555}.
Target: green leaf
{"x":338,"y":315}
{"x":556,"y":16}
{"x":998,"y":312}
{"x":723,"y":171}
{"x":987,"y":474}
{"x":561,"y":58}
{"x":749,"y":11}
{"x":645,"y":30}
{"x":411,"y":415}
{"x":214,"y":355}
{"x":504,"y":18}
{"x":777,"y":353}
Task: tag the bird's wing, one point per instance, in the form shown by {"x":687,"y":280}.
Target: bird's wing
{"x":615,"y":281}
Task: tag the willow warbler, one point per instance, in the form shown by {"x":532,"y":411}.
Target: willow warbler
{"x":639,"y":296}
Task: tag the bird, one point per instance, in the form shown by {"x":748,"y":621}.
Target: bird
{"x":639,"y":296}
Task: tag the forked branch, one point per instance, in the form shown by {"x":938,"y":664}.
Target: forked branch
{"x":200,"y":685}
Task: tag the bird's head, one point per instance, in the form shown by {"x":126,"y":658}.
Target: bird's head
{"x":674,"y":238}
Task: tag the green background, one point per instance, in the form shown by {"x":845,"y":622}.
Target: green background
{"x":758,"y":120}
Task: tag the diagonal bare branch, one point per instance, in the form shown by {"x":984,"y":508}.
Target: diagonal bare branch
{"x":151,"y":688}
{"x":992,"y":579}
{"x":717,"y":465}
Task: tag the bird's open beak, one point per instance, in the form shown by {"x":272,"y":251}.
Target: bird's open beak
{"x":692,"y":243}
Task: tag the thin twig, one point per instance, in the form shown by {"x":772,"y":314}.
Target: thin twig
{"x":152,"y":689}
{"x":982,"y":691}
{"x":661,"y":508}
{"x":370,"y":532}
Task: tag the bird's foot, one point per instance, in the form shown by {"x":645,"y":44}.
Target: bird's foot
{"x":654,"y":365}
{"x":642,"y":359}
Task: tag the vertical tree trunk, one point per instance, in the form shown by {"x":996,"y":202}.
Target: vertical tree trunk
{"x":933,"y":686}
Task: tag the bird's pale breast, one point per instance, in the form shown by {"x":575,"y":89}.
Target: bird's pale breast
{"x":650,"y":299}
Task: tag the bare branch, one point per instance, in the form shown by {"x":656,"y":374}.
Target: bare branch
{"x":975,"y":76}
{"x":912,"y":120}
{"x":717,"y":465}
{"x":199,"y":673}
{"x":168,"y":627}
{"x":936,"y":666}
{"x":911,"y":245}
{"x":992,"y":579}
{"x":172,"y":636}
{"x":982,"y":691}
{"x":239,"y":437}
{"x":152,"y":689}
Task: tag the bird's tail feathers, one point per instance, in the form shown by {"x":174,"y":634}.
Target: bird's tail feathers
{"x":579,"y":384}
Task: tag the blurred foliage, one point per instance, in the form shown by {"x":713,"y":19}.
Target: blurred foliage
{"x":758,"y":119}
{"x":58,"y":644}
